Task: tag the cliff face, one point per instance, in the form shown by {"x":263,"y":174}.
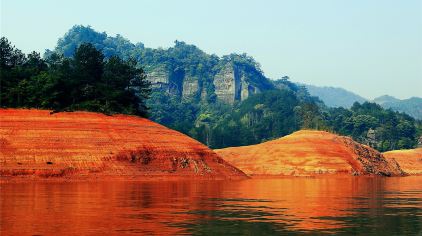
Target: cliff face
{"x":231,"y":83}
{"x":36,"y":143}
{"x":307,"y":153}
{"x":409,"y":160}
{"x":182,"y":71}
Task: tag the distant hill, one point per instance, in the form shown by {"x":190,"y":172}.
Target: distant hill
{"x":335,"y":97}
{"x":385,"y":99}
{"x":339,"y":97}
{"x":411,"y":106}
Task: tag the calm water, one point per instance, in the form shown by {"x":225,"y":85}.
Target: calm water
{"x":356,"y":206}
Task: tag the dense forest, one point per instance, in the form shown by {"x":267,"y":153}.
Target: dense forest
{"x":92,"y":71}
{"x":85,"y":81}
{"x":370,"y":124}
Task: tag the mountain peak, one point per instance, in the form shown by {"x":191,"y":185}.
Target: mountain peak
{"x":335,"y":97}
{"x":385,"y":98}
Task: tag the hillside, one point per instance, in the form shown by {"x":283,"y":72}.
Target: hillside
{"x":217,"y":111}
{"x":335,"y":97}
{"x":411,"y":106}
{"x":409,"y":160}
{"x":183,"y":72}
{"x":37,"y":144}
{"x":309,"y":153}
{"x":192,"y":92}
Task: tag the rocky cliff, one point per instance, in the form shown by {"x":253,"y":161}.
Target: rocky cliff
{"x":182,"y":71}
{"x":37,"y":144}
{"x":231,"y":83}
{"x":409,"y":160}
{"x":308,"y":153}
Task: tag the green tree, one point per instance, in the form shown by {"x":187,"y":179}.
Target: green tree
{"x":87,"y":81}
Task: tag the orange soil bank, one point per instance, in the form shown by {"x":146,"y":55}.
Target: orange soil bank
{"x":309,"y":153}
{"x":409,"y":160}
{"x":72,"y":145}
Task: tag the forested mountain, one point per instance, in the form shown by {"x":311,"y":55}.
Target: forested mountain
{"x":182,"y":71}
{"x":200,"y":94}
{"x":227,"y":101}
{"x":335,"y":97}
{"x":339,"y":97}
{"x":411,"y":106}
{"x":220,"y":101}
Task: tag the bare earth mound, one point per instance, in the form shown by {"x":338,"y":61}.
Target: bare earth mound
{"x":309,"y":153}
{"x":35,"y":143}
{"x":409,"y":160}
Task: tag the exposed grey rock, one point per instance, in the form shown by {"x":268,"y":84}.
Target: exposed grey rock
{"x":371,"y":139}
{"x":232,"y":84}
{"x":190,"y":86}
{"x":159,"y":78}
{"x":226,"y":83}
{"x":162,"y":79}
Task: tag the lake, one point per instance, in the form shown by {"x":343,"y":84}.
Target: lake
{"x":341,"y":205}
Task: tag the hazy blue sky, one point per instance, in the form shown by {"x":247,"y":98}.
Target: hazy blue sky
{"x":371,"y":47}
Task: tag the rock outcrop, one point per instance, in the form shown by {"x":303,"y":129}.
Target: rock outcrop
{"x":309,"y":153}
{"x":36,"y":144}
{"x":409,"y":160}
{"x":159,"y":78}
{"x":227,"y":84}
{"x":166,"y":80}
{"x":190,"y":87}
{"x":231,"y":83}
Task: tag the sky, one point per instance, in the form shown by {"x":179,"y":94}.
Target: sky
{"x":370,"y":47}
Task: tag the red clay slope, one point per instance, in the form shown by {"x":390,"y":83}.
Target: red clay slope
{"x":409,"y":160}
{"x":309,"y":153}
{"x":35,"y":143}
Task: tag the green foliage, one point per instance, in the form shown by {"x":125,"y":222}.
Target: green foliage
{"x":104,"y":76}
{"x":84,"y":82}
{"x":279,"y":112}
{"x":261,"y":117}
{"x":179,"y":62}
{"x":393,"y":130}
{"x":419,"y":128}
{"x":172,"y":113}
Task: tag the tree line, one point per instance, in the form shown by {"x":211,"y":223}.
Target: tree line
{"x":86,"y":81}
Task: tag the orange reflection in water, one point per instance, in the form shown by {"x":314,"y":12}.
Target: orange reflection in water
{"x":308,"y":203}
{"x":115,"y":208}
{"x":93,"y":208}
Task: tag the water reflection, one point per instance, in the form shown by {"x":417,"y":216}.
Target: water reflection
{"x":267,"y":206}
